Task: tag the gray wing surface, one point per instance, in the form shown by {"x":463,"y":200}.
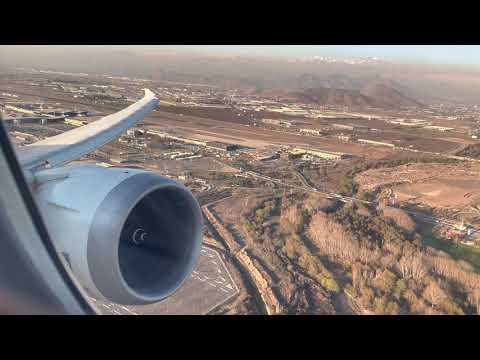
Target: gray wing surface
{"x":71,"y":145}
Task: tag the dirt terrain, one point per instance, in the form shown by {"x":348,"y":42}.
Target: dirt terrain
{"x":445,"y":192}
{"x":207,"y":129}
{"x":283,"y":288}
{"x":434,"y":185}
{"x":417,"y":142}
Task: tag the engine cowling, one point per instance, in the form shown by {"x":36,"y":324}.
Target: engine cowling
{"x":130,"y":236}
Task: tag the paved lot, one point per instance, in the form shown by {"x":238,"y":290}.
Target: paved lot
{"x":209,"y":286}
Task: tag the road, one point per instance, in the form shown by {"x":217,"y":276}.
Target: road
{"x":209,"y":286}
{"x":346,"y":199}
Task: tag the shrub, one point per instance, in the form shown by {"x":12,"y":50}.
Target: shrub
{"x":379,"y":305}
{"x":400,"y":287}
{"x":401,"y":219}
{"x":329,"y":284}
{"x":392,"y":308}
{"x":451,"y":308}
{"x":367,"y":296}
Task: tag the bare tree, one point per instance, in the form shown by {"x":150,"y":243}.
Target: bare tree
{"x":412,"y":266}
{"x":450,"y":269}
{"x":331,"y":238}
{"x":434,"y":293}
{"x":477,"y":300}
{"x":356,"y":275}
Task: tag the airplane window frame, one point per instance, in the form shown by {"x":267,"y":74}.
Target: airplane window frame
{"x":71,"y":299}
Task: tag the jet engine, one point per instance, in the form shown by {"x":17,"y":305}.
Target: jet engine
{"x":130,"y":236}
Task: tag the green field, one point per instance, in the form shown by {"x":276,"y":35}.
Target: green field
{"x":458,"y":252}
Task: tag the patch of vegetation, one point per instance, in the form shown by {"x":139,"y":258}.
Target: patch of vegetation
{"x":254,"y":222}
{"x":456,"y":251}
{"x":296,"y":251}
{"x":374,"y":228}
{"x":292,"y":226}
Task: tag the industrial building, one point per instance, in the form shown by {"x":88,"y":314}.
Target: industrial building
{"x":32,"y":120}
{"x":278,"y":122}
{"x":177,"y":138}
{"x":135,"y":132}
{"x":376,"y":143}
{"x":329,"y":155}
{"x":221,"y":146}
{"x":198,"y":156}
{"x":68,"y":113}
{"x":178,"y":155}
{"x":138,"y":143}
{"x":404,"y":123}
{"x":346,"y":138}
{"x":290,"y":110}
{"x":311,"y":132}
{"x":343,"y":127}
{"x":439,"y":128}
{"x":266,"y":156}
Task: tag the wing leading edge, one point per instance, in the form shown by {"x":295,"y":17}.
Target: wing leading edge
{"x":71,"y":145}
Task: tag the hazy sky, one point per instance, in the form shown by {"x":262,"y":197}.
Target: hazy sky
{"x":436,"y":54}
{"x":430,"y":54}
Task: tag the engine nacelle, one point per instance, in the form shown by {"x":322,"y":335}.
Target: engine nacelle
{"x":130,"y":236}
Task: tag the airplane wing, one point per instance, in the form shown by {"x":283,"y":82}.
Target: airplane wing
{"x":71,"y":145}
{"x":130,"y":237}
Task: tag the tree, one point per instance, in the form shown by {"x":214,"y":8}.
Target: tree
{"x":379,"y":305}
{"x":366,"y":195}
{"x":389,"y":279}
{"x":392,"y":308}
{"x":357,"y":275}
{"x":330,"y":284}
{"x":476,"y":296}
{"x":400,"y":287}
{"x":367,"y":296}
{"x":434,"y":294}
{"x":401,"y":219}
{"x":451,"y":308}
{"x":290,"y":249}
{"x":290,"y":220}
{"x":412,"y":266}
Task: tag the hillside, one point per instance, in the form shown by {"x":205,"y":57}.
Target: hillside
{"x":385,"y":95}
{"x":378,"y":95}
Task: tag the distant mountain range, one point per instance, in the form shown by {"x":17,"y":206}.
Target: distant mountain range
{"x":374,"y":95}
{"x":336,"y":89}
{"x":347,"y":60}
{"x":343,"y":81}
{"x":420,"y":82}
